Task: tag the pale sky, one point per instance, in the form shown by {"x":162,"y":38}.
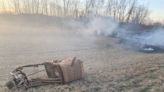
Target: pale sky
{"x":156,"y":8}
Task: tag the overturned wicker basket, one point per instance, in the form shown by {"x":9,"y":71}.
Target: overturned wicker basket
{"x":57,"y":72}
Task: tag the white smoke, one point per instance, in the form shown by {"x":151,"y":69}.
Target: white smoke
{"x":155,"y":38}
{"x":101,"y":26}
{"x":138,"y":39}
{"x":130,"y":35}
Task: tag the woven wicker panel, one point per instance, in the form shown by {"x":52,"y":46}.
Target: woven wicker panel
{"x":72,"y":69}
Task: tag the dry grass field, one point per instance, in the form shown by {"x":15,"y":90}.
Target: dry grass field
{"x":109,"y":67}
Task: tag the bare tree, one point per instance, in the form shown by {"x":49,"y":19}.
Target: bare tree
{"x":75,"y":10}
{"x":89,"y":6}
{"x":3,"y":6}
{"x":26,"y":6}
{"x":109,"y":8}
{"x":35,"y":6}
{"x":131,"y":10}
{"x":66,"y":6}
{"x":16,"y":6}
{"x":139,"y":14}
{"x":52,"y":8}
{"x":122,"y":10}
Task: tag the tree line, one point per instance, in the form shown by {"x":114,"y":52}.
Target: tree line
{"x":122,"y":10}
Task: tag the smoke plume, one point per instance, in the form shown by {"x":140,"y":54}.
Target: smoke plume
{"x":133,"y":35}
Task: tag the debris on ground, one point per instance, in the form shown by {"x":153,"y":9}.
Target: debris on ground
{"x":56,"y":72}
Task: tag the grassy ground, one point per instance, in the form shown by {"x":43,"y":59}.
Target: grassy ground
{"x":109,"y":67}
{"x":146,"y":75}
